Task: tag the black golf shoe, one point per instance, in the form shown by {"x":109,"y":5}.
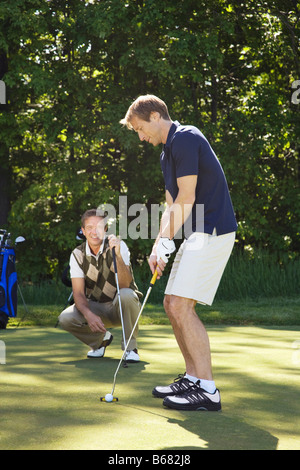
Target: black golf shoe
{"x":195,"y":398}
{"x":180,"y":385}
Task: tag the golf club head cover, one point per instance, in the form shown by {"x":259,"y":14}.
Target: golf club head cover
{"x":165,"y":248}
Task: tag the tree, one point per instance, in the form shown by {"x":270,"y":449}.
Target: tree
{"x":73,"y":68}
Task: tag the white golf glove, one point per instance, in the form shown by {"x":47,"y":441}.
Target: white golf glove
{"x":165,"y":248}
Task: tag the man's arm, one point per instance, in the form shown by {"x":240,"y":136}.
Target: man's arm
{"x":124,"y":273}
{"x":181,"y":208}
{"x":175,"y":215}
{"x":95,"y":323}
{"x":163,"y":222}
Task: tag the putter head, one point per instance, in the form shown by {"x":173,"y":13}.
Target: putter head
{"x":113,"y":400}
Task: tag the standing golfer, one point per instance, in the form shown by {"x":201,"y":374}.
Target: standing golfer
{"x":197,"y":199}
{"x":94,"y":287}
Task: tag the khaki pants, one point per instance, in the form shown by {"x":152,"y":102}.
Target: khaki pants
{"x":74,"y":322}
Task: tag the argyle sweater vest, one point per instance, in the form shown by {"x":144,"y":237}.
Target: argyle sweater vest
{"x":100,"y":281}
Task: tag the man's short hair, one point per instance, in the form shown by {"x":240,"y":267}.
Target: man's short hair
{"x":92,"y":213}
{"x":143,"y":106}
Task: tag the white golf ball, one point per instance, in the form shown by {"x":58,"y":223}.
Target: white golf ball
{"x":109,"y":397}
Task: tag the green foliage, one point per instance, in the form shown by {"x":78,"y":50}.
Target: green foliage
{"x":73,"y":69}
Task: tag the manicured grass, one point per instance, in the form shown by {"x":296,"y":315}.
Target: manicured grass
{"x":50,"y":392}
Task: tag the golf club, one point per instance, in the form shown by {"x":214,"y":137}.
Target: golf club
{"x":109,"y":397}
{"x":119,"y":297}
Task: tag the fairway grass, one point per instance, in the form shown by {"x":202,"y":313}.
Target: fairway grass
{"x":50,"y":392}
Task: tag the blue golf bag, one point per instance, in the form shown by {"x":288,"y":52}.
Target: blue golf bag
{"x":8,"y":281}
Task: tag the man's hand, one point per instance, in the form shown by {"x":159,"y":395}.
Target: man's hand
{"x":114,"y":242}
{"x":165,"y":248}
{"x":95,"y":323}
{"x":155,"y":264}
{"x":124,"y":273}
{"x":160,"y":255}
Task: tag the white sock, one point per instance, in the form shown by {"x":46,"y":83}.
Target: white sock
{"x":191,"y":378}
{"x":207,"y":385}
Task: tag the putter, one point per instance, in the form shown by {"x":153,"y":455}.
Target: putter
{"x":110,"y":397}
{"x":119,"y":297}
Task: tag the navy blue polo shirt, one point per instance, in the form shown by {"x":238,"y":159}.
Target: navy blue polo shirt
{"x":187,"y":152}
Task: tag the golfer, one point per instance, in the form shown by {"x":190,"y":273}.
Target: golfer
{"x":198,"y":201}
{"x":94,"y":287}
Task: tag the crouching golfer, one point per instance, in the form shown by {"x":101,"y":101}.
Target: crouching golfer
{"x":197,"y":199}
{"x":94,"y":287}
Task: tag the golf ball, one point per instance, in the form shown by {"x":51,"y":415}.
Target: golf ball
{"x":109,"y":397}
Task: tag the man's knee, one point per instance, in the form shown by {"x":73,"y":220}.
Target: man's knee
{"x":66,"y":318}
{"x":172,"y":306}
{"x":128,"y":296}
{"x":63,"y":320}
{"x":176,"y":307}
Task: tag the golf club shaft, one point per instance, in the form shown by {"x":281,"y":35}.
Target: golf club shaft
{"x":118,"y":292}
{"x":152,"y":282}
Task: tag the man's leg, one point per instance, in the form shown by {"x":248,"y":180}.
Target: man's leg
{"x":74,"y":322}
{"x":191,"y":336}
{"x":196,"y":389}
{"x":130,"y":310}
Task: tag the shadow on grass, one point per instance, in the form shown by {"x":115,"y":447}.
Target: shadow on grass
{"x":48,"y":385}
{"x":228,"y":433}
{"x":218,"y":431}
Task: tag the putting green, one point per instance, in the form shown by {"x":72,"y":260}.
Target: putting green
{"x":50,"y":392}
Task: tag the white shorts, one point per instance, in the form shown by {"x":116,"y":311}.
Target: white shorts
{"x":198,"y":266}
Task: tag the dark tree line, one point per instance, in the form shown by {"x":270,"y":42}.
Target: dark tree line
{"x":71,"y":69}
